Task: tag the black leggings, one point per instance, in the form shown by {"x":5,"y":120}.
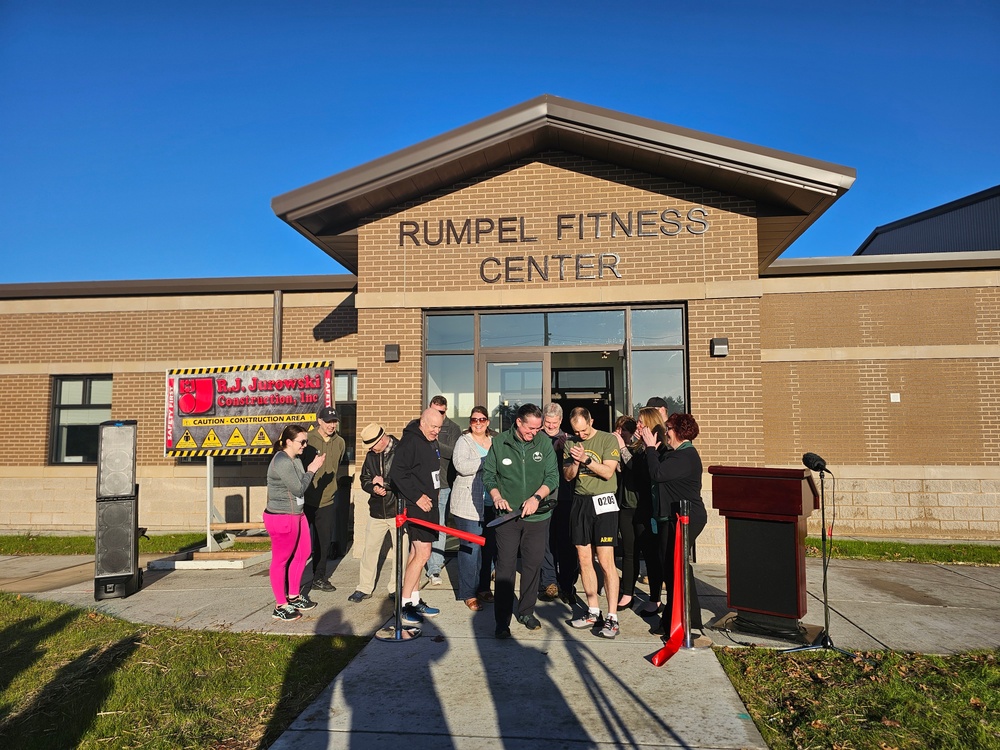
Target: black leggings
{"x":638,"y":538}
{"x":667,"y":531}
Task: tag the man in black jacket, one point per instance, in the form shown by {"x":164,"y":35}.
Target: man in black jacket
{"x":382,"y":511}
{"x":449,"y":435}
{"x":416,"y":475}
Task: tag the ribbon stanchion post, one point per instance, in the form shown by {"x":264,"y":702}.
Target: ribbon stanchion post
{"x":678,"y":635}
{"x":396,"y":632}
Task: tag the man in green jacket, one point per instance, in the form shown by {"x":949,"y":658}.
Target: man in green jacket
{"x":520,"y":472}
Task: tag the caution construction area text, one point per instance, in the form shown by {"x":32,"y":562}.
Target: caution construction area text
{"x":241,"y":410}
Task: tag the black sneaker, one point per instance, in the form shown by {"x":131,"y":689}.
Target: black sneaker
{"x":321,"y":584}
{"x":285,"y":612}
{"x":529,"y":621}
{"x":301,"y":602}
{"x":502,"y":634}
{"x":358,"y":596}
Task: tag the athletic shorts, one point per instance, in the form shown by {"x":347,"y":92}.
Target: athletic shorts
{"x":586,"y":526}
{"x":421,"y":533}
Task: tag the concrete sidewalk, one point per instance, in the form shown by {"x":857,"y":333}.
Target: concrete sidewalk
{"x":557,"y":686}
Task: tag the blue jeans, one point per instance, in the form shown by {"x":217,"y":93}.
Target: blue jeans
{"x":469,"y":559}
{"x":436,"y":561}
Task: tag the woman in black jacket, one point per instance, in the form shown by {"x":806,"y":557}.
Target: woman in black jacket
{"x":677,"y":474}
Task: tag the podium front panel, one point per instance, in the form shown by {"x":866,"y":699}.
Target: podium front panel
{"x":763,"y":574}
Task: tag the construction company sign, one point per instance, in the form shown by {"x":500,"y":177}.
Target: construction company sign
{"x":241,"y":410}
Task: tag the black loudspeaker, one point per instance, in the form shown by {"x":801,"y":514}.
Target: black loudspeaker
{"x":116,"y":565}
{"x":116,"y":459}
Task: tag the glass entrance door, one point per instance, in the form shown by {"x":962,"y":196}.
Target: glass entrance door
{"x":512,"y":380}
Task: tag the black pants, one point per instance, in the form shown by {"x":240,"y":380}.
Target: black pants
{"x":638,"y":538}
{"x":321,"y":522}
{"x":667,"y":531}
{"x":489,"y":554}
{"x":529,"y":537}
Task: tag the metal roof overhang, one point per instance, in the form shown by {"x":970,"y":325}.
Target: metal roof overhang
{"x":791,"y":191}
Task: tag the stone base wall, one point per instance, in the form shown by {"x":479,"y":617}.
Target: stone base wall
{"x":961,"y":503}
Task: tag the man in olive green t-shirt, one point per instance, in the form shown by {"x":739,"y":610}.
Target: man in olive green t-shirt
{"x":591,"y":459}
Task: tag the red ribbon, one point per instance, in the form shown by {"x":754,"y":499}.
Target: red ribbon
{"x":676,"y":639}
{"x":466,"y":535}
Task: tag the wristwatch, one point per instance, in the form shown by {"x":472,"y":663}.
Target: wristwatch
{"x":587,"y":462}
{"x":537,"y":497}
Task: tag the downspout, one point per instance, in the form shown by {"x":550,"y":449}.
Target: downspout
{"x":276,"y":327}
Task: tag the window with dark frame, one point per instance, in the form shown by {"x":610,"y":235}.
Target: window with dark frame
{"x":345,"y":396}
{"x":79,"y":404}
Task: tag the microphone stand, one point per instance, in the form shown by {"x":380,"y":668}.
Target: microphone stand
{"x":823,"y":640}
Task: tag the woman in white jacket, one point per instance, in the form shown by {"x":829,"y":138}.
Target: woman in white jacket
{"x":467,"y":498}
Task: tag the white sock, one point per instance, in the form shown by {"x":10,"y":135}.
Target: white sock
{"x":414,"y":600}
{"x":595,"y":610}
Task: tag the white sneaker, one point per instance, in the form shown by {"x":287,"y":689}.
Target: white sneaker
{"x":435,"y":580}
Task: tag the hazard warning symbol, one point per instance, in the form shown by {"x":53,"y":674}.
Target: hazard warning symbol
{"x":186,"y":441}
{"x":236,"y":439}
{"x":261,"y":438}
{"x":211,"y":440}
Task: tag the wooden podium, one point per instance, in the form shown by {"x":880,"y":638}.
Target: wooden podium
{"x":766,"y":512}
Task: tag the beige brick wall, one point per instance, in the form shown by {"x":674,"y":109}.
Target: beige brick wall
{"x":899,"y":387}
{"x":539,"y":190}
{"x":136,"y":340}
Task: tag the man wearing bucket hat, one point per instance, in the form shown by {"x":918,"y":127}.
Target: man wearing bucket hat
{"x":382,"y":508}
{"x":319,"y":507}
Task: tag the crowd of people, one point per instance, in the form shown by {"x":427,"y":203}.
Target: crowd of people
{"x":562,"y":504}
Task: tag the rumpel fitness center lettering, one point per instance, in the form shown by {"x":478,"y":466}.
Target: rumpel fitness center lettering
{"x":579,"y":226}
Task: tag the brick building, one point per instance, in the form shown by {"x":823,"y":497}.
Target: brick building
{"x":554,"y":251}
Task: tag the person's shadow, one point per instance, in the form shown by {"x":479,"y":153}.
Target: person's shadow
{"x":71,"y":700}
{"x":523,"y":692}
{"x":372,"y":696}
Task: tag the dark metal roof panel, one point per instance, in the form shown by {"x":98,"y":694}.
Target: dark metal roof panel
{"x":969,"y":224}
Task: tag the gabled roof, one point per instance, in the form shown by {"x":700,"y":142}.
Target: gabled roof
{"x":791,"y":191}
{"x":969,"y":224}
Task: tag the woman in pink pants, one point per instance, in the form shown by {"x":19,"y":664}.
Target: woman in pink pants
{"x":286,"y":523}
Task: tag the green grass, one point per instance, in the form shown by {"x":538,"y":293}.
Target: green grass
{"x":165,"y":544}
{"x":76,"y":678}
{"x":883,"y":700}
{"x":961,"y":554}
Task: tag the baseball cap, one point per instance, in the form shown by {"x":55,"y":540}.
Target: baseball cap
{"x":656,"y":403}
{"x":328,"y":414}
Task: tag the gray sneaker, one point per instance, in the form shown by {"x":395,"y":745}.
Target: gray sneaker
{"x":587,"y":620}
{"x":610,"y":629}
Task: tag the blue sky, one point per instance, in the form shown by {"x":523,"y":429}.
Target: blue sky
{"x":146,"y":140}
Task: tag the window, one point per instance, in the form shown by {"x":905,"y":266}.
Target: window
{"x":658,"y":358}
{"x":79,"y":404}
{"x":345,"y":396}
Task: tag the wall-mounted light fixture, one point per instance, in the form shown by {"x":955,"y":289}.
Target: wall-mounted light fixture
{"x":392,"y":352}
{"x":719,"y":347}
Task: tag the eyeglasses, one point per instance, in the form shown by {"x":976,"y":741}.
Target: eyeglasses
{"x":300,"y":442}
{"x":441,"y":411}
{"x":478,"y":420}
{"x":668,"y":427}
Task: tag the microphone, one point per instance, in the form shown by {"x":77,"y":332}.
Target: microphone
{"x":814,"y":462}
